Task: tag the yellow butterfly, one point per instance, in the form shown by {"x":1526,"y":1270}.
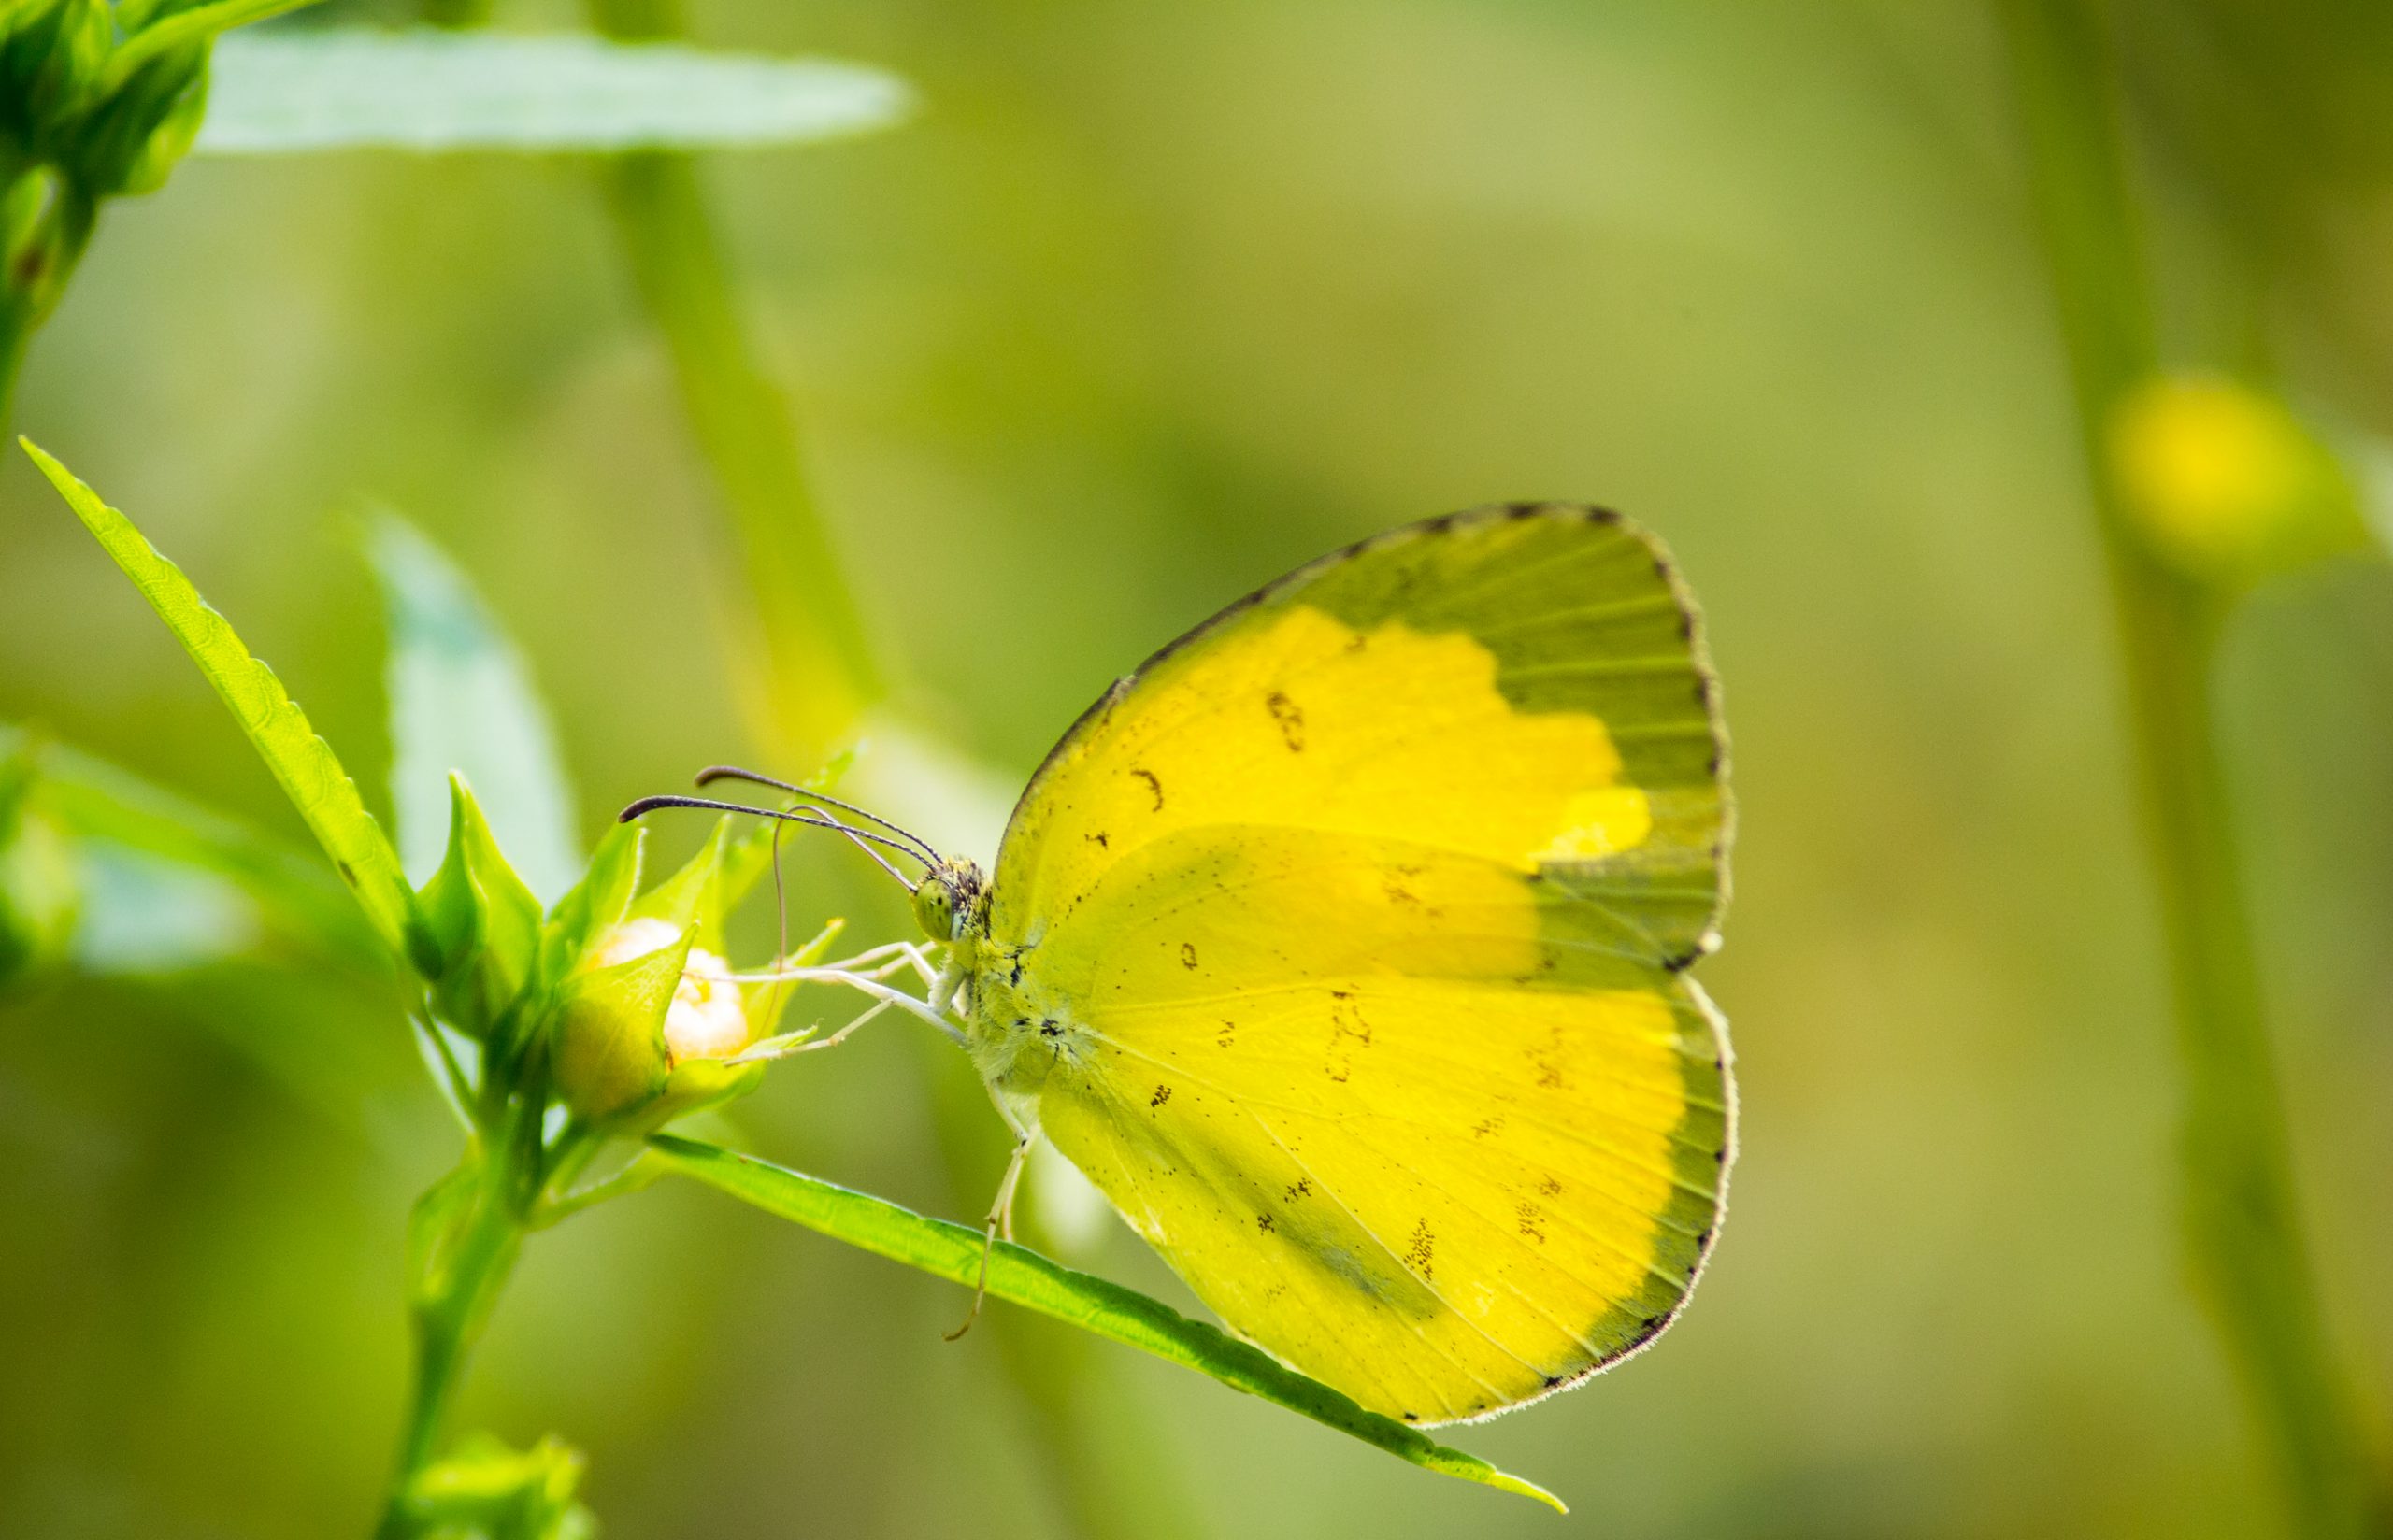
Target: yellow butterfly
{"x":1343,"y":947}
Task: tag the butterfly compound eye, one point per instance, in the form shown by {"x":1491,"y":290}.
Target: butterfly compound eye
{"x":935,"y":907}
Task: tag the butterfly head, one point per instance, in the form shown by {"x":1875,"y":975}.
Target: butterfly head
{"x":948,"y":902}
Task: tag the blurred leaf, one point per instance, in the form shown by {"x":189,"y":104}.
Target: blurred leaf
{"x":443,"y":91}
{"x":310,"y":774}
{"x":462,"y":700}
{"x":38,"y":893}
{"x":108,"y":809}
{"x":953,"y":1251}
{"x":144,"y":914}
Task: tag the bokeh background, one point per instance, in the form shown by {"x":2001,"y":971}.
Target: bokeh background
{"x":1148,"y":304}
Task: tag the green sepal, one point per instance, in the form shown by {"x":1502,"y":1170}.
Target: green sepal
{"x":692,"y":1087}
{"x":482,"y":923}
{"x":132,"y":142}
{"x":599,"y":902}
{"x":53,"y":62}
{"x":695,"y":895}
{"x":607,"y":1054}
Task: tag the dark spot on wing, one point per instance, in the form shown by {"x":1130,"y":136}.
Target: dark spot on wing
{"x":1532,"y":1221}
{"x":1290,"y":717}
{"x":1188,"y":954}
{"x":1548,"y":1077}
{"x":1549,"y":1185}
{"x":1162,"y":1094}
{"x":1227,"y":1029}
{"x":347,"y":874}
{"x":1303,"y":1188}
{"x":1154,"y":785}
{"x":1262,"y":1223}
{"x":1421,"y":1250}
{"x":1099,"y":840}
{"x":1050,"y":1028}
{"x":1486,"y":1126}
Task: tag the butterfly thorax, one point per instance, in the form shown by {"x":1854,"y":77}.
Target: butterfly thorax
{"x":1018,"y":1030}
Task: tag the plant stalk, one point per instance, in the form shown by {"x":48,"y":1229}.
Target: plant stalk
{"x":820,"y":668}
{"x":2242,"y":1218}
{"x":468,"y":1261}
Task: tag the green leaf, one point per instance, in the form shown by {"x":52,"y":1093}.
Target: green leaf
{"x":105,"y":807}
{"x":462,"y":700}
{"x":310,"y":774}
{"x":347,"y":89}
{"x":953,"y":1251}
{"x":38,"y":891}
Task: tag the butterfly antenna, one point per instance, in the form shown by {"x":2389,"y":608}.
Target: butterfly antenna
{"x":713,"y":773}
{"x":858,"y":836}
{"x":781,"y":904}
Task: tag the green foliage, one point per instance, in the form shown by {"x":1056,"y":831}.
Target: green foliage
{"x":436,"y":91}
{"x":463,"y":702}
{"x":99,"y":99}
{"x":485,"y":1490}
{"x":953,"y":1251}
{"x":37,"y":888}
{"x":128,"y":835}
{"x":310,"y":774}
{"x":612,"y":1004}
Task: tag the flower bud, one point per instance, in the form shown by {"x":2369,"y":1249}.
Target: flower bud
{"x":706,"y":1019}
{"x":2224,"y":483}
{"x":648,"y":1020}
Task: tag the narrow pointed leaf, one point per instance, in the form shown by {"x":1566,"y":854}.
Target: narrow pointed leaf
{"x":351,"y":88}
{"x":462,"y":700}
{"x":953,"y":1251}
{"x":310,"y":774}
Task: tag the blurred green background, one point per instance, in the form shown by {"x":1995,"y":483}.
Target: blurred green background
{"x":1149,"y":304}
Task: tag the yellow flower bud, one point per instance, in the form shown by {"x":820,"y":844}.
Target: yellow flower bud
{"x":706,"y":1019}
{"x":2223,"y":482}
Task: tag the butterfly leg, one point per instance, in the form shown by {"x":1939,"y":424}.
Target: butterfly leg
{"x":951,"y":977}
{"x":1001,"y":1220}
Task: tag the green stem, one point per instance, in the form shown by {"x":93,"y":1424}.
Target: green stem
{"x":469,"y":1256}
{"x":2243,"y":1224}
{"x":16,"y":333}
{"x":820,"y":668}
